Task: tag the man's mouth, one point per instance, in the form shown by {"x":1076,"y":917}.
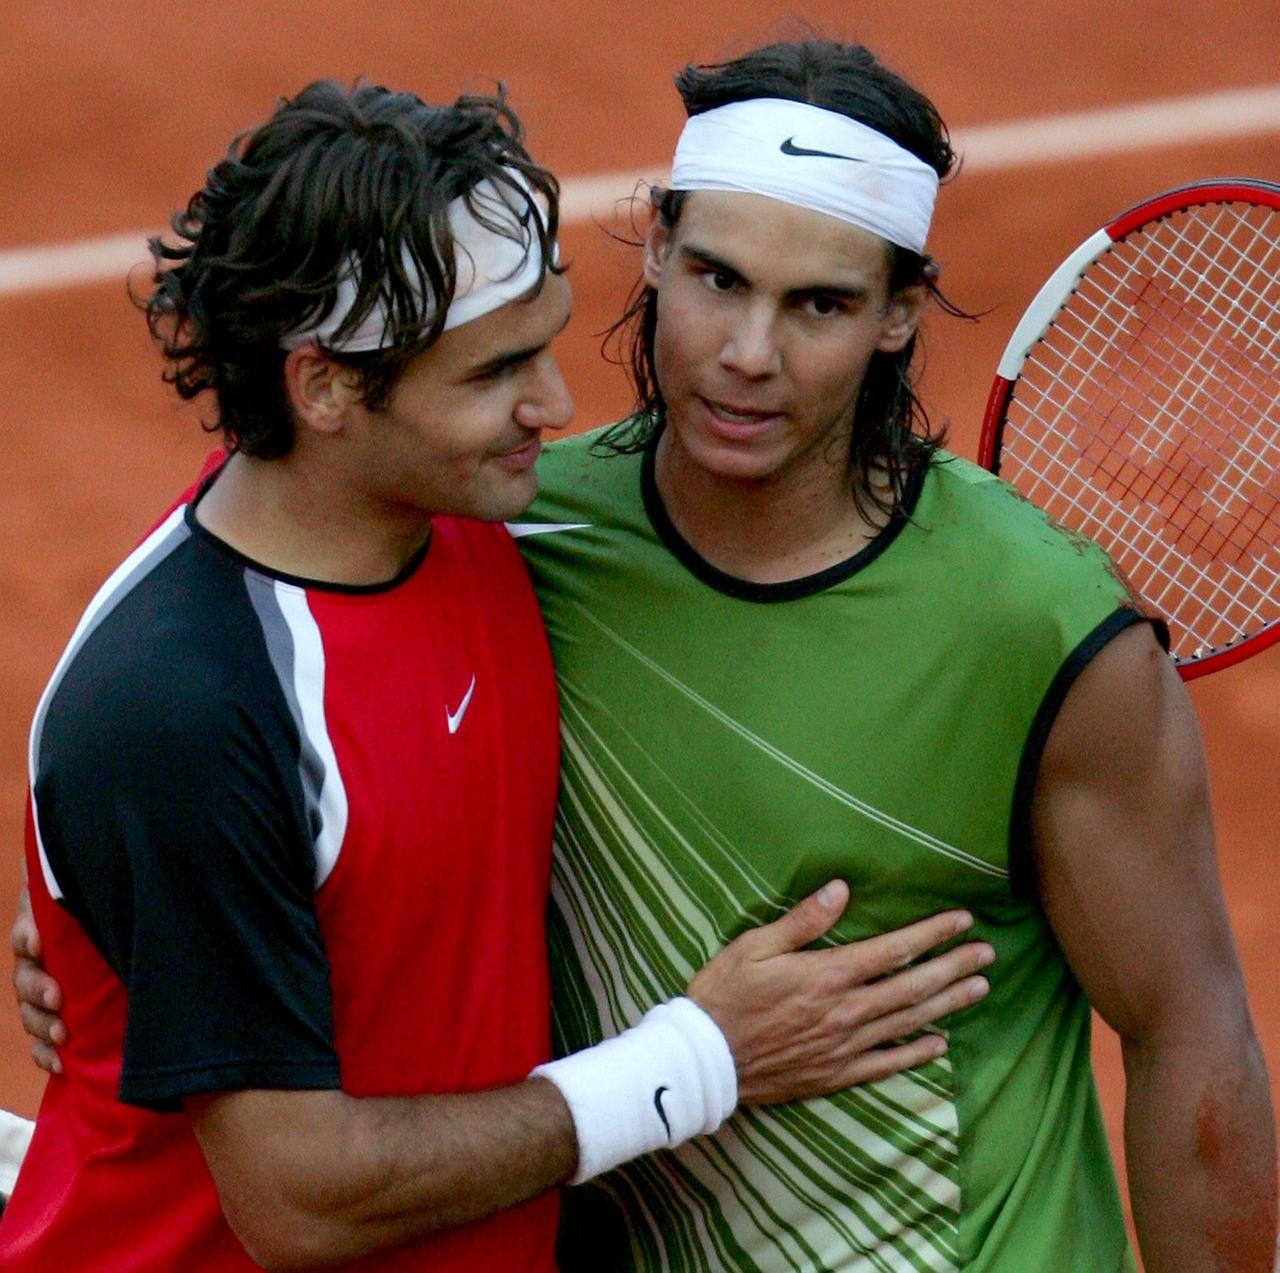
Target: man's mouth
{"x":521,"y":457}
{"x":737,"y":421}
{"x":734,"y":415}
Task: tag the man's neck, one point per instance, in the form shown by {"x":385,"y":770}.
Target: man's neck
{"x":770,"y":531}
{"x":289,"y":518}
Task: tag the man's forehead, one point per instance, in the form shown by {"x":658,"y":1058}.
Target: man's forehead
{"x":545,"y":304}
{"x":731,"y":224}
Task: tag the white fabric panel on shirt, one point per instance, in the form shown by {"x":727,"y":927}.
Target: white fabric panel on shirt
{"x":302,"y":679}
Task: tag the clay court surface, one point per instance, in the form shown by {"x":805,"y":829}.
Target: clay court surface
{"x":113,"y":110}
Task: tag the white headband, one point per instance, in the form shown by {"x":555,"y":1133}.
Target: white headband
{"x":812,"y":158}
{"x":492,"y":270}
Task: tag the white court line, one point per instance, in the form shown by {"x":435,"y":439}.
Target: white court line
{"x":1144,"y":125}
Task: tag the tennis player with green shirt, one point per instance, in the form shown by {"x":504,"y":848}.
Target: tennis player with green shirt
{"x":795,"y":640}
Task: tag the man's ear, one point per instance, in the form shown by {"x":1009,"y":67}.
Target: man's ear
{"x":657,"y":240}
{"x":901,"y":318}
{"x":320,"y":390}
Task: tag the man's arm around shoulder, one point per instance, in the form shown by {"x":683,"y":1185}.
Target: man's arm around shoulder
{"x":318,"y":1176}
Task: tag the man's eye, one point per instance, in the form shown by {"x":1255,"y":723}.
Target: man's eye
{"x":719,"y":280}
{"x":823,"y":306}
{"x":501,"y":371}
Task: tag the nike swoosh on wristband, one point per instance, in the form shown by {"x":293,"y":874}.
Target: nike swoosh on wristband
{"x":454,"y":719}
{"x":789,"y":147}
{"x":662,"y":1113}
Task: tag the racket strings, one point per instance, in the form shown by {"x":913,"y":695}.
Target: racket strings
{"x":1186,"y":339}
{"x":1126,"y":388}
{"x":1234,"y":312}
{"x":1147,"y":418}
{"x":1162,"y":569}
{"x":1158,"y":559}
{"x":1106,"y":404}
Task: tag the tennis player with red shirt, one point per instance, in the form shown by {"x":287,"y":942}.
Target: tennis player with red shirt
{"x":292,"y":781}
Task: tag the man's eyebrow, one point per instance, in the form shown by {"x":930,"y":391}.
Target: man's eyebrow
{"x":709,"y":260}
{"x":700,"y":256}
{"x":513,"y":357}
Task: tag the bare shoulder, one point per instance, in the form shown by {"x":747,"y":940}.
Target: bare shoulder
{"x":1123,"y":840}
{"x":1127,"y":719}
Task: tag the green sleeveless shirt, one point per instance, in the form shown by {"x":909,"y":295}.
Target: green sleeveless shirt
{"x":729,"y":747}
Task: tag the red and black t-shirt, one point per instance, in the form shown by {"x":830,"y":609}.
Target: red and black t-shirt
{"x":284,"y":835}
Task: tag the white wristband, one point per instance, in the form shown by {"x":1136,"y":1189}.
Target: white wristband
{"x":15,"y":1136}
{"x":655,"y":1085}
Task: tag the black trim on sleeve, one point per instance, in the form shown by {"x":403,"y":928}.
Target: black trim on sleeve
{"x":163,"y":1092}
{"x":1021,"y":860}
{"x":746,"y":589}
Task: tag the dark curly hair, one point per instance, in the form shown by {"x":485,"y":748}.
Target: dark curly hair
{"x":336,"y":177}
{"x":891,"y":428}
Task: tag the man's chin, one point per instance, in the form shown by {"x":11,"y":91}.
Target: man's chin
{"x":508,"y":500}
{"x":723,"y":460}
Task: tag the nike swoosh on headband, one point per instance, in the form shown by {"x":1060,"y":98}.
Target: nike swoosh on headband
{"x":789,"y":147}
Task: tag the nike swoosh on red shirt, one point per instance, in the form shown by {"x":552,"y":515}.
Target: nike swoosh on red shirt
{"x":454,"y":719}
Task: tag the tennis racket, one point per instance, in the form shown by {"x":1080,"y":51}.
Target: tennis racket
{"x":1138,"y":402}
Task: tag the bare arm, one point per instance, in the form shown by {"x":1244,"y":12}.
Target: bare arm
{"x":307,"y":1178}
{"x":804,"y":1025}
{"x":1128,"y":877}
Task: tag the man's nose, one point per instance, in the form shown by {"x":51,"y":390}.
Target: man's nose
{"x":548,"y":404}
{"x":752,"y":348}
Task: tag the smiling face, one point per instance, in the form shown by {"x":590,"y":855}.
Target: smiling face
{"x":459,"y":432}
{"x":768,"y":316}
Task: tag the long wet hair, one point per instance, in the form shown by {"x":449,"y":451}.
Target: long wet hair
{"x":336,"y":178}
{"x":891,"y":435}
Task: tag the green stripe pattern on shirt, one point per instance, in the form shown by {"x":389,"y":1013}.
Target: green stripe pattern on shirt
{"x":722,"y":757}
